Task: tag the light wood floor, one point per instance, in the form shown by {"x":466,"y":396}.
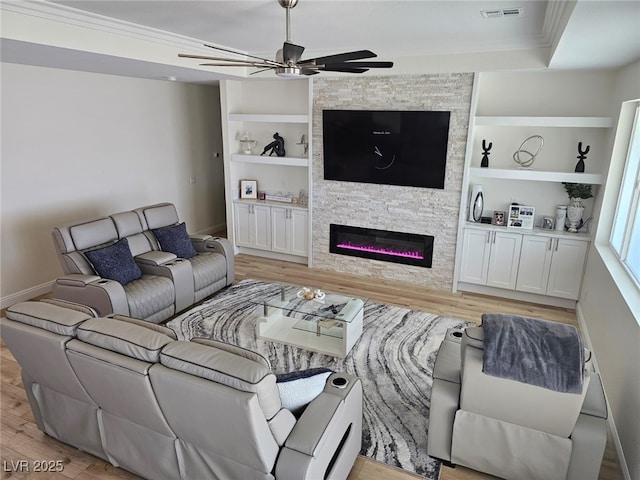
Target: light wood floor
{"x":21,"y":440}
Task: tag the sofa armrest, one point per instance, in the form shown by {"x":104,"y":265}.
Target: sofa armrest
{"x":207,"y":243}
{"x":329,"y":429}
{"x":103,"y":295}
{"x":77,"y":279}
{"x":155,"y":257}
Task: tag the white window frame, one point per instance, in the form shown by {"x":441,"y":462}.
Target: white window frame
{"x":626,"y":223}
{"x":611,"y":210}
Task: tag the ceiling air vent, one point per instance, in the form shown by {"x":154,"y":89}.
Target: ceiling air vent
{"x":502,"y":12}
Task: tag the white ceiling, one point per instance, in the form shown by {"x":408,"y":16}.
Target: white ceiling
{"x":588,"y":34}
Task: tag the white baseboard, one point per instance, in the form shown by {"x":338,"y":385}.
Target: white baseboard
{"x":610,"y":420}
{"x":515,"y":295}
{"x":25,"y":295}
{"x":211,"y":230}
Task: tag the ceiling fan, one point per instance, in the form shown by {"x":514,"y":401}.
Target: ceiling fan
{"x":288,"y":61}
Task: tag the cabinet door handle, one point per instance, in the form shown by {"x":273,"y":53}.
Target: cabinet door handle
{"x":494,"y":238}
{"x":550,"y":243}
{"x":489,"y":237}
{"x":557,"y":242}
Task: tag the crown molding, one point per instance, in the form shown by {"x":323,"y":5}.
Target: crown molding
{"x":71,"y":16}
{"x":555,"y":20}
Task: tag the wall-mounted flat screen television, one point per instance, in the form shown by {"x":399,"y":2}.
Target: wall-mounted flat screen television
{"x":386,"y":147}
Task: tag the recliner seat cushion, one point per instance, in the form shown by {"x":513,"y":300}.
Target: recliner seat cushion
{"x":208,"y":268}
{"x":148,"y":295}
{"x":175,"y":240}
{"x":115,"y":262}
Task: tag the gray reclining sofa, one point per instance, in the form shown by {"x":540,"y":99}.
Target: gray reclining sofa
{"x":126,"y":391}
{"x":140,"y":263}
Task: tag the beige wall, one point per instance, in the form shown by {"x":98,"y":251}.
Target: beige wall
{"x":77,"y":145}
{"x":612,"y":327}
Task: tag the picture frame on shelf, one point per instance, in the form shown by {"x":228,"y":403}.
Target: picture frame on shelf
{"x":547,"y":223}
{"x":248,"y":189}
{"x":521,"y":216}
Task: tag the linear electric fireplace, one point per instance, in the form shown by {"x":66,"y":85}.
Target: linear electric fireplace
{"x":397,"y":247}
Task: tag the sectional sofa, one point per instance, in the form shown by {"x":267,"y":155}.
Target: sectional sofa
{"x":126,"y":391}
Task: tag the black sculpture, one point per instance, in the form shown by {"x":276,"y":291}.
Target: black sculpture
{"x":582,"y":155}
{"x":485,"y":153}
{"x":277,"y":146}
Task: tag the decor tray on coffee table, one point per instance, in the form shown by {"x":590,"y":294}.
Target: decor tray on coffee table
{"x":328,"y":323}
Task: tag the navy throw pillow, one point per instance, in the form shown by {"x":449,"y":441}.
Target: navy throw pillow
{"x":115,"y":262}
{"x":175,"y":240}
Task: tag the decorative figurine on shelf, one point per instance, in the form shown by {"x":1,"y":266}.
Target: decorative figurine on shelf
{"x":246,"y":144}
{"x":485,"y":153}
{"x":582,"y":155}
{"x":305,"y":145}
{"x":277,"y":146}
{"x":529,"y":157}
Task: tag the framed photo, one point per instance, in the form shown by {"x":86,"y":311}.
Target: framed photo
{"x":498,"y":217}
{"x":521,"y":216}
{"x":547,"y":223}
{"x":248,"y":189}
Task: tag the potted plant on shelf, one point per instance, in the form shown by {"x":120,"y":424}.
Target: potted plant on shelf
{"x":576,"y":192}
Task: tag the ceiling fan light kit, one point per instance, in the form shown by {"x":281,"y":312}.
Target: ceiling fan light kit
{"x":288,"y":63}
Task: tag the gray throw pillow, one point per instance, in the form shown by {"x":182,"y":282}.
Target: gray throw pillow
{"x":115,"y":262}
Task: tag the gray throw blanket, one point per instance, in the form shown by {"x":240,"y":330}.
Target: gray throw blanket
{"x":533,"y":351}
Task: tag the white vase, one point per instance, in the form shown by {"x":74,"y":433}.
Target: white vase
{"x":574,"y":214}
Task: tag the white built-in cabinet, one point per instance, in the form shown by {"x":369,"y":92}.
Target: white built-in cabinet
{"x":289,"y":227}
{"x":535,"y":262}
{"x":507,"y":108}
{"x":552,"y":266}
{"x":490,"y":258}
{"x":262,"y":107}
{"x":271,"y":228}
{"x":252,"y":226}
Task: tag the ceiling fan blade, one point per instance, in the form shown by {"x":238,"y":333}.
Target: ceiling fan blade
{"x":261,"y":70}
{"x":340,"y":57}
{"x":291,"y":53}
{"x":358,"y":65}
{"x":221,"y":59}
{"x":228,"y":50}
{"x":336,"y":68}
{"x":308,"y":71}
{"x":246,"y":64}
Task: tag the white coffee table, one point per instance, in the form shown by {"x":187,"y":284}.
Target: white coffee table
{"x":330,"y":325}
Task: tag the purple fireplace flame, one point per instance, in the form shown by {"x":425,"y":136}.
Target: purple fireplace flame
{"x":385,"y":245}
{"x":384,"y":251}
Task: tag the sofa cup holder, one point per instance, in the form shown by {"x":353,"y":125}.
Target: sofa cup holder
{"x":339,"y":382}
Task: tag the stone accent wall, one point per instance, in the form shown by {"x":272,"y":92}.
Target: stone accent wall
{"x":403,"y":209}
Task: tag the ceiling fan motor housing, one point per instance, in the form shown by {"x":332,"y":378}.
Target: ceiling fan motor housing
{"x":288,"y":3}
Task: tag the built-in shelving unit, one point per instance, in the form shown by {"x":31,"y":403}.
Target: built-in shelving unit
{"x":261,"y":108}
{"x":507,"y":110}
{"x":535,"y":121}
{"x":266,"y":160}
{"x":535,"y":175}
{"x":268,"y":118}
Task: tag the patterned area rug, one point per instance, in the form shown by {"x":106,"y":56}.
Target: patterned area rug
{"x":394,"y":359}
